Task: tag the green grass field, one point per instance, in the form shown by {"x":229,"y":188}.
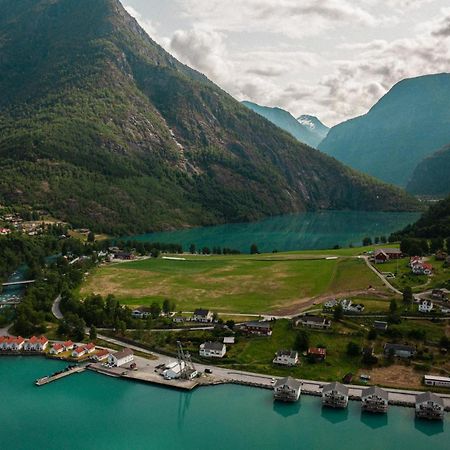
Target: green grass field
{"x":275,"y":283}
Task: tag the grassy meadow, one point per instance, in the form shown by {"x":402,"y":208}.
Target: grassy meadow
{"x":275,"y":283}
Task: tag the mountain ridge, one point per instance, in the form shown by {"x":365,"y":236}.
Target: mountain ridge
{"x":103,"y":128}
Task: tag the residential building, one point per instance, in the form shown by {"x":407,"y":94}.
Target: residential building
{"x":287,"y":389}
{"x":425,"y":306}
{"x":203,"y":316}
{"x":68,"y":345}
{"x":375,"y":399}
{"x":213,"y":350}
{"x":330,"y":304}
{"x":78,"y":352}
{"x":56,"y":349}
{"x":90,"y":348}
{"x":262,"y":328}
{"x":229,"y":340}
{"x":121,"y":358}
{"x":379,"y":325}
{"x":319,"y":354}
{"x":286,"y":358}
{"x":439,"y":294}
{"x":179,"y":319}
{"x":429,"y":406}
{"x":101,"y":355}
{"x":402,"y":351}
{"x":317,"y":322}
{"x":435,"y":380}
{"x":36,"y":344}
{"x":383,"y":255}
{"x":335,"y":395}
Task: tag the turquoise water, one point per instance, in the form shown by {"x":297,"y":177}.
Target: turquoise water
{"x":90,"y":411}
{"x":312,"y":230}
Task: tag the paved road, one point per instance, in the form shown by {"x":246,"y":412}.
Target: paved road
{"x":56,"y":311}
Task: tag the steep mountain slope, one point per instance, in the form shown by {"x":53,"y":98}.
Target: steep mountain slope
{"x":283,"y":119}
{"x":406,"y":125}
{"x":103,"y":128}
{"x":315,"y":125}
{"x":432,"y":175}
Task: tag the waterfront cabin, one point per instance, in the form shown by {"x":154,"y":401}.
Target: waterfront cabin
{"x":90,"y":348}
{"x":36,"y":344}
{"x":56,"y":349}
{"x":287,"y":389}
{"x":335,"y":395}
{"x":316,"y":322}
{"x":426,"y":306}
{"x":213,"y":350}
{"x":203,"y":316}
{"x":2,"y":342}
{"x":286,"y":358}
{"x":434,"y":380}
{"x":68,"y":345}
{"x":259,"y":328}
{"x":402,"y":351}
{"x":319,"y":354}
{"x":429,"y":406}
{"x":78,"y":352}
{"x":375,"y":400}
{"x":13,"y":344}
{"x":101,"y":355}
{"x":379,"y":325}
{"x":121,"y":358}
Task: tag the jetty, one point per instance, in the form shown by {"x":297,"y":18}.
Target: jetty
{"x":60,"y":374}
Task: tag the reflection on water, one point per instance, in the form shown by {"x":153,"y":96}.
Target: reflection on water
{"x":311,"y":230}
{"x":335,"y":415}
{"x":286,"y":409}
{"x":373,"y":420}
{"x":429,"y":427}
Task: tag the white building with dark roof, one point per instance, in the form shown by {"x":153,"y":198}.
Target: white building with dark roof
{"x":374,"y":399}
{"x":429,"y":406}
{"x":335,"y":395}
{"x":286,"y":358}
{"x":287,"y":389}
{"x":121,"y":358}
{"x":317,"y":322}
{"x":213,"y":350}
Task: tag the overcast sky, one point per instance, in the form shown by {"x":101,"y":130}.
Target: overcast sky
{"x":330,"y":58}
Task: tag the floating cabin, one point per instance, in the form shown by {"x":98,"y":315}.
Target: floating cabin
{"x":429,"y":406}
{"x":375,"y":400}
{"x":287,"y":389}
{"x":335,"y":395}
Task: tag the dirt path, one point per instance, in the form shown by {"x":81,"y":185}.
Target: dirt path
{"x":381,"y":277}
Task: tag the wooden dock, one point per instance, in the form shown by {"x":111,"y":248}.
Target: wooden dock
{"x":57,"y":376}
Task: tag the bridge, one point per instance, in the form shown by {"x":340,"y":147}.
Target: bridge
{"x":18,"y":283}
{"x":10,"y":303}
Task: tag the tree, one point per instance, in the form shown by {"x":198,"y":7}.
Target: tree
{"x":393,"y":306}
{"x":154,"y":252}
{"x":93,"y":333}
{"x":407,"y":296}
{"x":444,"y":342}
{"x":230,"y":324}
{"x":366,"y":241}
{"x":353,"y":349}
{"x":167,"y":306}
{"x":91,"y":237}
{"x":383,"y":239}
{"x":377,"y":240}
{"x":192,"y":249}
{"x":155,"y":310}
{"x":254,"y":249}
{"x":372,"y":334}
{"x":121,"y":327}
{"x":338,"y":312}
{"x":302,"y":341}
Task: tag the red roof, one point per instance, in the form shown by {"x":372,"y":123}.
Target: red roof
{"x":427,"y":266}
{"x":90,"y":346}
{"x":79,"y":350}
{"x":58,"y":346}
{"x":317,"y":351}
{"x":33,"y":340}
{"x":68,"y":344}
{"x":102,"y":352}
{"x":3,"y":338}
{"x":42,"y":340}
{"x":20,"y":340}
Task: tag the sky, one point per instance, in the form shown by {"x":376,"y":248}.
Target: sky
{"x":330,"y":58}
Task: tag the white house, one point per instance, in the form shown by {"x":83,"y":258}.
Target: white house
{"x":213,"y":350}
{"x":429,"y":406}
{"x":314,"y":322}
{"x":286,"y":358}
{"x":435,"y":380}
{"x":426,"y":306}
{"x":121,"y":358}
{"x":330,"y":304}
{"x":78,"y":352}
{"x":287,"y":389}
{"x":90,"y":348}
{"x":68,"y":345}
{"x":203,"y":315}
{"x":13,"y":344}
{"x":56,"y":349}
{"x":36,"y":344}
{"x":101,"y":355}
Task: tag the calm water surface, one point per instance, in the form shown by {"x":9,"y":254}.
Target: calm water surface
{"x":312,"y":230}
{"x":90,"y":411}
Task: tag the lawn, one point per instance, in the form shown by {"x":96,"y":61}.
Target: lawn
{"x":278,"y":283}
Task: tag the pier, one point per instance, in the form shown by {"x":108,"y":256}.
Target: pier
{"x":58,"y":375}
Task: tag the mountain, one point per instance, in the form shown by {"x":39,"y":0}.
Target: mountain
{"x":431,"y":177}
{"x":304,"y":132}
{"x":103,"y":128}
{"x":315,"y":125}
{"x":410,"y":122}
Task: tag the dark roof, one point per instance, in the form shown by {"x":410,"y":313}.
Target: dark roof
{"x":380,"y":325}
{"x":201,"y":312}
{"x":288,"y":381}
{"x":375,"y":390}
{"x":263,"y":324}
{"x":429,"y":396}
{"x":315,"y":319}
{"x":401,"y":347}
{"x":122,"y":354}
{"x":217,"y":346}
{"x":290,"y":353}
{"x":336,"y":386}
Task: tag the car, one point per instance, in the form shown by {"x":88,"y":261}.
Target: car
{"x":208,"y":370}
